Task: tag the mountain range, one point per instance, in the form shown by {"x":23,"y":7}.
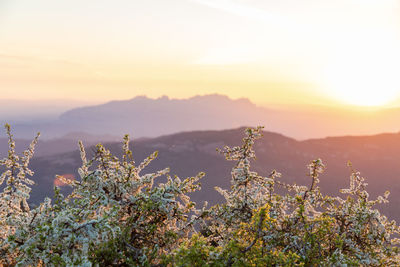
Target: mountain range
{"x":146,"y":117}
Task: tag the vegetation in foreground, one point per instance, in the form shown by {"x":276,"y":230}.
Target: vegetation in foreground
{"x":117,"y":216}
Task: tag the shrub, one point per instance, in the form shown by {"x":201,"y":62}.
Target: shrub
{"x":117,"y":216}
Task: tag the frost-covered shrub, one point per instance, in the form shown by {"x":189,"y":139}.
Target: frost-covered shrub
{"x":117,"y":216}
{"x":114,"y":216}
{"x":257,"y":227}
{"x":14,"y":209}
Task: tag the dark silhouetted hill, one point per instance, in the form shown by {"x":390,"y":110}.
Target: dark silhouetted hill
{"x":376,"y":157}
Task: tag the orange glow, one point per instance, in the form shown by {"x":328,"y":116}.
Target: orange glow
{"x":59,"y":183}
{"x":360,"y":75}
{"x":314,"y":52}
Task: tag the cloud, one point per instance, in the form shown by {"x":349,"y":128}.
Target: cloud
{"x":241,"y":46}
{"x":246,"y":11}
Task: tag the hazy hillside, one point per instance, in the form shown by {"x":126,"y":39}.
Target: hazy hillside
{"x":191,"y":152}
{"x":66,"y":143}
{"x":142,"y":116}
{"x":147,"y":117}
{"x":35,"y":111}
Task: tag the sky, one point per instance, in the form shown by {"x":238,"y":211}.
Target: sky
{"x":287,"y":52}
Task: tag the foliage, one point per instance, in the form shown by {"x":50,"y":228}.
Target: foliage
{"x":117,"y":216}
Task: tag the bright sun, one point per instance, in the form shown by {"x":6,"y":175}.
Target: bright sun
{"x":359,"y":77}
{"x":364,"y":86}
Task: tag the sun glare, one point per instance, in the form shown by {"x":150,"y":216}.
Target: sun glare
{"x":362,"y":78}
{"x":363,"y":87}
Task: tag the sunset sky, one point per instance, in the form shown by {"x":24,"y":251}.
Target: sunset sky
{"x":273,"y":52}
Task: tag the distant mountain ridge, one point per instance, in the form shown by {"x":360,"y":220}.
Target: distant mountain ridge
{"x":146,"y":117}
